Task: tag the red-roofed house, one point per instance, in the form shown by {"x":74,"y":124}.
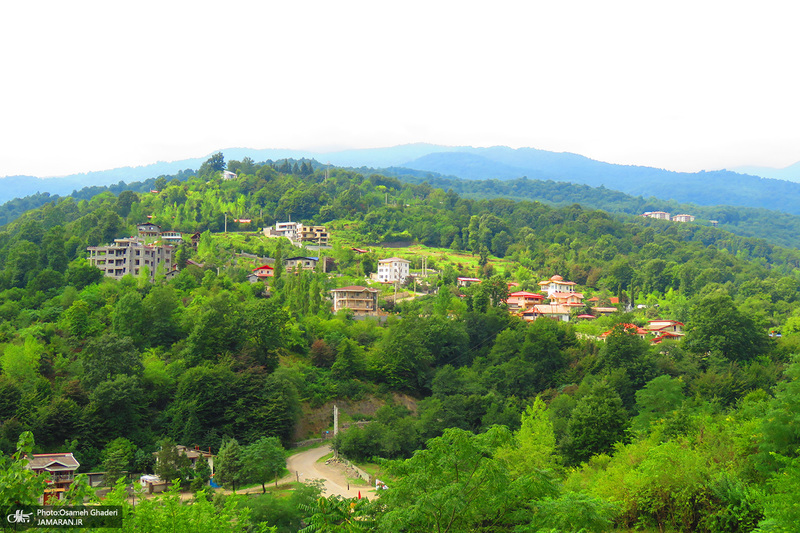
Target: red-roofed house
{"x":363,"y":301}
{"x":521,"y":300}
{"x":264,"y":271}
{"x":667,"y":336}
{"x":59,"y":469}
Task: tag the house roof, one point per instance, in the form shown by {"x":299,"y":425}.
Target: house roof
{"x":301,"y":257}
{"x":593,"y":299}
{"x":628,"y":327}
{"x":666,"y":336}
{"x":567,"y":295}
{"x":586,"y":316}
{"x":469,"y":279}
{"x":355,"y":288}
{"x":53,"y":461}
{"x":553,"y":309}
{"x":263,"y":267}
{"x":393,"y":260}
{"x":524,"y":294}
{"x":556,"y":279}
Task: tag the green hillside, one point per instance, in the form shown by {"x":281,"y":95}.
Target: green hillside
{"x":516,"y":425}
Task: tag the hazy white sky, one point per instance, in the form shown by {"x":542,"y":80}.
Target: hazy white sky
{"x":683,"y":85}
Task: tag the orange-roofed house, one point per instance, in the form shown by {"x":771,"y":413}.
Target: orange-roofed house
{"x":522,"y":300}
{"x":629,"y":328}
{"x":567,"y":298}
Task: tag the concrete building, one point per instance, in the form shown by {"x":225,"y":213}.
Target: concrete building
{"x":290,"y":230}
{"x":313,"y":235}
{"x":129,"y":255}
{"x":304,"y":263}
{"x":661,"y":215}
{"x":363,"y":301}
{"x":683,"y":218}
{"x":393,"y":269}
{"x":556,"y":285}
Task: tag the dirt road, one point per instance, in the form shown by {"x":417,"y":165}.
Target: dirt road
{"x":334,"y":482}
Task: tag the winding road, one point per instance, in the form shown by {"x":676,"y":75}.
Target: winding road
{"x":304,"y":466}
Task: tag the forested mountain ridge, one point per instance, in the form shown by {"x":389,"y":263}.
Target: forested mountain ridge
{"x":98,"y":365}
{"x":773,"y":226}
{"x":719,"y":187}
{"x":704,"y":188}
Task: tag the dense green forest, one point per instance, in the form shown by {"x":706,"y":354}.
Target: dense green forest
{"x":773,"y":226}
{"x":516,"y":426}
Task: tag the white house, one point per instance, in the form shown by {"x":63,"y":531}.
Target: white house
{"x":556,"y":284}
{"x":393,"y":269}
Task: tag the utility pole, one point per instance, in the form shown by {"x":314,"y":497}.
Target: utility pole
{"x":335,"y":426}
{"x":226,"y":222}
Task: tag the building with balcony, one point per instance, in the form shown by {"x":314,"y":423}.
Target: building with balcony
{"x":556,"y":284}
{"x":59,"y":471}
{"x":362,"y":301}
{"x":129,"y":255}
{"x":521,"y":301}
{"x":313,"y":235}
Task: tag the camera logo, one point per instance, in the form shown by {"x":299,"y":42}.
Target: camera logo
{"x":19,"y":517}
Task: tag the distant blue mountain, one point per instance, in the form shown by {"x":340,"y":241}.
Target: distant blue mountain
{"x":790,"y":173}
{"x":499,"y":162}
{"x":720,"y":187}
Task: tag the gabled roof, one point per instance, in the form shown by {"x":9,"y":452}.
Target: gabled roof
{"x":628,"y":328}
{"x":301,"y":257}
{"x":264,"y":266}
{"x":394,"y":259}
{"x":567,"y":295}
{"x":524,"y":294}
{"x":53,"y":461}
{"x":469,"y":279}
{"x":355,"y":288}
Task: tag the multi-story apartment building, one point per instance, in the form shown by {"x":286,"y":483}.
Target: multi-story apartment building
{"x":129,"y":255}
{"x":393,"y":269}
{"x":314,"y":235}
{"x":661,"y":215}
{"x":363,"y":301}
{"x":290,"y":230}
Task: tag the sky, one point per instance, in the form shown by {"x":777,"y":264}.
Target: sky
{"x":682,"y":85}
